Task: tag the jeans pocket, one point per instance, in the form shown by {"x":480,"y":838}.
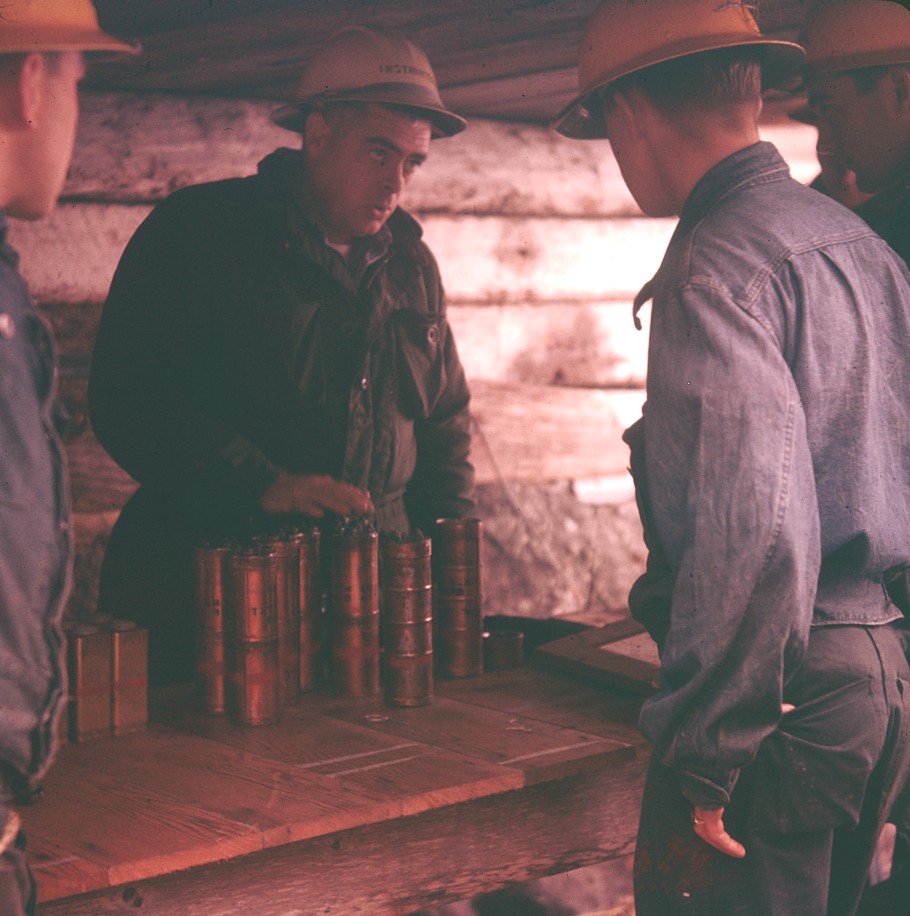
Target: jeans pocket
{"x":811,"y":773}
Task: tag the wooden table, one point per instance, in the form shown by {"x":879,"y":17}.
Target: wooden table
{"x":346,"y":806}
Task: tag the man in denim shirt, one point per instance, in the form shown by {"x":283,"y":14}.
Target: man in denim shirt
{"x":41,"y":63}
{"x":773,"y":488}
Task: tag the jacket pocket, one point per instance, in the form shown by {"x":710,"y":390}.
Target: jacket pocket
{"x":420,"y":362}
{"x":811,"y":773}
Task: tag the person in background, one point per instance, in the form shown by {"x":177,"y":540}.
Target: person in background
{"x":857,"y":77}
{"x":774,"y":494}
{"x":41,"y":64}
{"x":277,"y":346}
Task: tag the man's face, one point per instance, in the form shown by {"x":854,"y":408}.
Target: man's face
{"x":52,"y":136}
{"x":359,"y":161}
{"x":860,"y":129}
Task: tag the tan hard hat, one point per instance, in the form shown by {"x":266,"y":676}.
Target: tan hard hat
{"x":851,"y":34}
{"x":358,"y":64}
{"x":54,"y":25}
{"x":622,"y":38}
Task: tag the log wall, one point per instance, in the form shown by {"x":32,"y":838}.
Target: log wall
{"x":542,"y":251}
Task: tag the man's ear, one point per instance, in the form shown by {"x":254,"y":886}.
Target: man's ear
{"x":316,"y":133}
{"x":900,"y":84}
{"x":32,"y":84}
{"x":625,"y":104}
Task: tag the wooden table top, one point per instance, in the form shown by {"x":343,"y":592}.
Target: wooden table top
{"x":194,"y":789}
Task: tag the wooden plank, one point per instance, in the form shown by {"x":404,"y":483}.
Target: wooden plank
{"x":580,"y":344}
{"x":540,"y":750}
{"x":539,"y":433}
{"x":534,"y":693}
{"x":408,"y":776}
{"x":620,"y":654}
{"x":412,"y":863}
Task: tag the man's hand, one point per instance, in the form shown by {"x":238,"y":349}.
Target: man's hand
{"x":709,"y":825}
{"x":314,"y":495}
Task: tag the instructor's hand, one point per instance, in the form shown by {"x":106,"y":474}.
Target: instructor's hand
{"x":709,"y":825}
{"x":314,"y":495}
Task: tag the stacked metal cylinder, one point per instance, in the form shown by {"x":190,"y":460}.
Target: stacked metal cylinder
{"x":275,"y":614}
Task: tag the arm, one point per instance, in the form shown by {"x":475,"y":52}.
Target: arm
{"x":733,"y":495}
{"x":151,"y":359}
{"x":442,"y":485}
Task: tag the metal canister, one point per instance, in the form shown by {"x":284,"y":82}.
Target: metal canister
{"x":458,"y":596}
{"x":89,"y":669}
{"x":354,"y":602}
{"x":503,"y":649}
{"x":407,"y":615}
{"x":213,"y":571}
{"x":287,"y":556}
{"x":312,"y":619}
{"x":129,"y":677}
{"x":253,"y":698}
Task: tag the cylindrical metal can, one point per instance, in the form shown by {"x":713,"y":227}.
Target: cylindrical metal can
{"x":213,"y":571}
{"x":407,"y":613}
{"x":503,"y":649}
{"x":312,"y":619}
{"x":458,"y":596}
{"x":287,"y":551}
{"x":253,"y":637}
{"x":89,"y":668}
{"x":354,"y":594}
{"x":129,"y":677}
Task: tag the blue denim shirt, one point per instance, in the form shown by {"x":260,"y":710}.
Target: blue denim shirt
{"x":36,"y":547}
{"x":772,"y":461}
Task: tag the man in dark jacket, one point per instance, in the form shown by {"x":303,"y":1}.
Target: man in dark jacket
{"x":774,"y":493}
{"x":41,"y":64}
{"x":278,"y":345}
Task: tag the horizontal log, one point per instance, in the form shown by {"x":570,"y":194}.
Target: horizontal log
{"x":588,"y":345}
{"x":485,"y":259}
{"x":138,"y":147}
{"x":525,"y":433}
{"x":538,"y":433}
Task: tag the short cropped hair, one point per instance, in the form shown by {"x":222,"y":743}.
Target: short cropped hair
{"x":10,"y":64}
{"x":703,"y":82}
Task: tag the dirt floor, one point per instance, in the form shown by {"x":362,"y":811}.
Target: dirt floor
{"x":598,"y":890}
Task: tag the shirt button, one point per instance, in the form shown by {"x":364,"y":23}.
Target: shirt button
{"x":364,"y":384}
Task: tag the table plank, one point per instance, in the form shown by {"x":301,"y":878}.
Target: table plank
{"x":539,"y":749}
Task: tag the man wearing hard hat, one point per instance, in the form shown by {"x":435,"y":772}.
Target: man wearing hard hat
{"x":278,"y":345}
{"x":774,"y":493}
{"x":41,"y":63}
{"x":858,"y":80}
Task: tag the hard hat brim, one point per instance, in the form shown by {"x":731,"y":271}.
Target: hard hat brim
{"x":26,"y":40}
{"x":583,"y":120}
{"x":445,"y":123}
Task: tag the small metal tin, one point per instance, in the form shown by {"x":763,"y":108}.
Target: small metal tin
{"x":287,"y":552}
{"x":503,"y":649}
{"x":255,"y":688}
{"x":89,"y":651}
{"x":253,"y":595}
{"x":129,"y":677}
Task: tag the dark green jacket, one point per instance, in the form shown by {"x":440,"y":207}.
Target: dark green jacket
{"x":235,"y":344}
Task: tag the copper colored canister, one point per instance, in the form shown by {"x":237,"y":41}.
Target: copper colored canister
{"x":89,"y":668}
{"x":212,"y":579}
{"x":458,"y":596}
{"x":287,"y":555}
{"x":129,"y":677}
{"x":254,"y":695}
{"x":312,"y":619}
{"x":407,"y":614}
{"x":354,"y":600}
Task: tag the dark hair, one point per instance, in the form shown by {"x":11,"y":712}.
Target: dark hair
{"x":11,"y":63}
{"x":698,"y":82}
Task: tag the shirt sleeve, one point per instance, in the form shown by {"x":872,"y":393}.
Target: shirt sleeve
{"x":733,"y":497}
